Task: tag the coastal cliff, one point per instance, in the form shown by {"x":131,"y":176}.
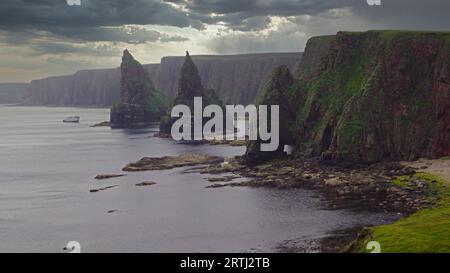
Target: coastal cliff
{"x":13,"y":92}
{"x":140,"y":103}
{"x":370,"y":96}
{"x":236,"y":79}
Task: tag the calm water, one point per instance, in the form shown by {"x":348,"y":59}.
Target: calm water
{"x":47,"y":170}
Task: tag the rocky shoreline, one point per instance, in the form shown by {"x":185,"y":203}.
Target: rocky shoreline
{"x":364,"y":187}
{"x":392,"y":187}
{"x":402,"y":188}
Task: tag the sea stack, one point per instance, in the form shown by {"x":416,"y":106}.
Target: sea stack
{"x":140,"y":103}
{"x":189,"y":86}
{"x":278,"y":91}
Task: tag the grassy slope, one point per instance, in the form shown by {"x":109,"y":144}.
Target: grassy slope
{"x":427,"y":231}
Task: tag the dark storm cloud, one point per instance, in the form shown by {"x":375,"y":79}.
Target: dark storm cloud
{"x":410,"y":14}
{"x":250,"y":15}
{"x":97,"y":20}
{"x":263,"y":7}
{"x":47,"y":14}
{"x":353,"y":15}
{"x":88,"y":21}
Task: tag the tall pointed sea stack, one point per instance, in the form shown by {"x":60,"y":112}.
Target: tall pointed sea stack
{"x":189,"y":86}
{"x":189,"y":82}
{"x":140,"y":102}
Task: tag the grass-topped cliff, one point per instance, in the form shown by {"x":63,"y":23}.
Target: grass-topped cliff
{"x":370,"y":96}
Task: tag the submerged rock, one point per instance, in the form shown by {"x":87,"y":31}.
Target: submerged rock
{"x":102,"y":189}
{"x":102,"y":124}
{"x":108,"y":176}
{"x":146,"y":183}
{"x":227,"y":178}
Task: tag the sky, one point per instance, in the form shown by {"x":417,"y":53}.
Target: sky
{"x":40,"y":38}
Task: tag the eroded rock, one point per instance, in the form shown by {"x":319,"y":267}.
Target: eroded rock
{"x":108,"y":176}
{"x":171,"y":162}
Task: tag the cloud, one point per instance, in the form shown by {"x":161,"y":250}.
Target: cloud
{"x":53,"y":15}
{"x":406,"y":14}
{"x":103,"y":20}
{"x":58,"y":38}
{"x":291,"y":32}
{"x":130,"y":34}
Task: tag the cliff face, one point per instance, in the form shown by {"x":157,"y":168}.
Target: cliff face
{"x":84,"y":88}
{"x":139,"y":103}
{"x":373,"y":96}
{"x":13,"y":92}
{"x":236,"y":79}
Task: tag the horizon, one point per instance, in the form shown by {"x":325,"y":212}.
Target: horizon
{"x":155,"y":63}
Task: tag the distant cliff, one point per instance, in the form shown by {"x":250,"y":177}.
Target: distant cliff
{"x":84,"y":88}
{"x":13,"y":92}
{"x":236,"y":78}
{"x":366,"y":97}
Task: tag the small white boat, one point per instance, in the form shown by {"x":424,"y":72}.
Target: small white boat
{"x":74,"y":119}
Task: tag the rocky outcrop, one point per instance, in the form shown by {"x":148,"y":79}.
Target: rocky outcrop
{"x":140,"y":103}
{"x":189,"y":86}
{"x":236,"y":79}
{"x":171,"y":162}
{"x":377,"y":95}
{"x":276,"y":93}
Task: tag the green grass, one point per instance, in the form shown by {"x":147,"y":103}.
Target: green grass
{"x":427,"y":231}
{"x":401,"y":181}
